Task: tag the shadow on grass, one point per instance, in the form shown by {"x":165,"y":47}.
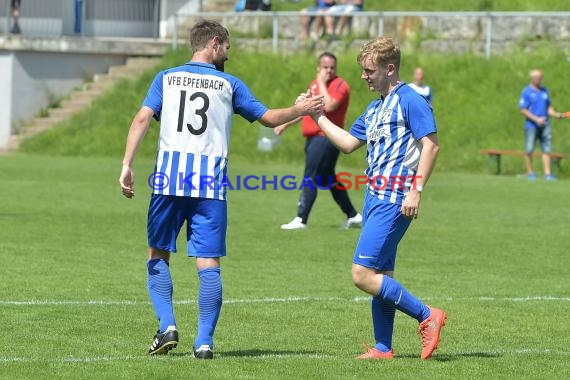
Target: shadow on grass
{"x":461,"y":355}
{"x":254,"y":353}
{"x":257,"y":353}
{"x":453,"y":357}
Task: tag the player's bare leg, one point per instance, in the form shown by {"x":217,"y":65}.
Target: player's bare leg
{"x":160,"y":292}
{"x":157,"y":254}
{"x":381,"y":286}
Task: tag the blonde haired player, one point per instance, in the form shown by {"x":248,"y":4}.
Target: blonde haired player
{"x":399,"y":132}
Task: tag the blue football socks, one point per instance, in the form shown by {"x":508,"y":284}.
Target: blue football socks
{"x":160,"y":291}
{"x":393,"y":292}
{"x":209,"y":304}
{"x":383,"y":314}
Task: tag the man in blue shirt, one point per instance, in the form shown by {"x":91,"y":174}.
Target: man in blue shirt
{"x":195,"y":104}
{"x":399,"y":131}
{"x":535,"y":105}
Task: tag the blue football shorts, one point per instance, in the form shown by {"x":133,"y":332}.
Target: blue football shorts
{"x":206,"y":224}
{"x":383,"y":226}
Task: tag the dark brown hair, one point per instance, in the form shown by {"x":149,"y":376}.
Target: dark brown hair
{"x":328,"y":55}
{"x":204,"y":31}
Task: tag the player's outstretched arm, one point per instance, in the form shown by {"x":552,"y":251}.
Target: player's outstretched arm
{"x":281,"y":128}
{"x":428,"y":156}
{"x":344,"y":141}
{"x":138,"y":129}
{"x":558,"y":115}
{"x":276,"y":117}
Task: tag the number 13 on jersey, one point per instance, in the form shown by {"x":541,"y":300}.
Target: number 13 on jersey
{"x":199,"y":103}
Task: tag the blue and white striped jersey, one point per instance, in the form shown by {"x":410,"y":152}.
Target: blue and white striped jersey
{"x":392,"y":128}
{"x":423,"y":90}
{"x":195,"y":104}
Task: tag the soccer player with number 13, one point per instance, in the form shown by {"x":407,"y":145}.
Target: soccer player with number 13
{"x":194,"y":104}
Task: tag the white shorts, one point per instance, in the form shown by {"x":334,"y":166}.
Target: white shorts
{"x":344,"y":9}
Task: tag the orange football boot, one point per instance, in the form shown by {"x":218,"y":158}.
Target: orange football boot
{"x":430,"y":330}
{"x":373,"y":353}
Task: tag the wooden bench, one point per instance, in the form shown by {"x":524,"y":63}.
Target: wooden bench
{"x":495,"y":158}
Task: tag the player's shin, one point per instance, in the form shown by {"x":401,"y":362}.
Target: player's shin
{"x":383,"y":314}
{"x":209,"y":304}
{"x":160,"y":291}
{"x":392,"y":291}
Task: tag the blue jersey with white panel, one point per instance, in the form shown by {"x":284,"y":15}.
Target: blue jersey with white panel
{"x":423,"y":90}
{"x":195,"y":103}
{"x":392,"y":128}
{"x":537,"y":101}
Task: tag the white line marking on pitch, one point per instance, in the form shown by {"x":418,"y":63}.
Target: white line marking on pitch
{"x":280,"y":300}
{"x":520,"y":351}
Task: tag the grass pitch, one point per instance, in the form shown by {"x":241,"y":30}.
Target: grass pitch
{"x":491,"y":251}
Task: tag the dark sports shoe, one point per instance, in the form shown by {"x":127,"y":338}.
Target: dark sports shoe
{"x":204,"y":352}
{"x":163,"y":342}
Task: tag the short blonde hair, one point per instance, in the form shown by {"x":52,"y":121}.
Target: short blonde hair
{"x":382,"y":51}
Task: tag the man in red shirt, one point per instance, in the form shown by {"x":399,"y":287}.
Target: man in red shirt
{"x":320,"y":154}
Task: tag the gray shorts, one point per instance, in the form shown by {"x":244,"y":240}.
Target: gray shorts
{"x":542,"y":134}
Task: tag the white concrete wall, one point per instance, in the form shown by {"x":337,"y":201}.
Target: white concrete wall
{"x":168,"y":8}
{"x":31,"y":80}
{"x":6,"y":59}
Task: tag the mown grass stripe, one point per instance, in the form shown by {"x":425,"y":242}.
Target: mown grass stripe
{"x":276,"y":300}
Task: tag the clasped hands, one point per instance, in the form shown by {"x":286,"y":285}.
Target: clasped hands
{"x":310,"y":103}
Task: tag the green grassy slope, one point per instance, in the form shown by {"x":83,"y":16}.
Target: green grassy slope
{"x":74,"y":304}
{"x":475,"y":102}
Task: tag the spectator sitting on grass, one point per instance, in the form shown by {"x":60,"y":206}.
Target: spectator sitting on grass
{"x":344,"y":9}
{"x":253,"y":5}
{"x":306,"y":20}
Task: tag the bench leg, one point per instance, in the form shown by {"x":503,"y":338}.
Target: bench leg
{"x":556,"y":161}
{"x":495,"y":164}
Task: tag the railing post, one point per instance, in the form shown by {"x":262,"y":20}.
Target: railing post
{"x":84,"y":18}
{"x":156,"y":17}
{"x":381,"y":24}
{"x":8,"y":17}
{"x":275,"y":30}
{"x":175,"y":32}
{"x":488,"y":35}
